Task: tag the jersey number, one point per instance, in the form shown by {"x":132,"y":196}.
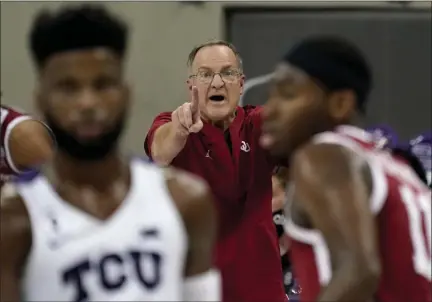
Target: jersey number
{"x":418,"y":206}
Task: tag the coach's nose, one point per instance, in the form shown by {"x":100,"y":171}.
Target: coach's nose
{"x":217,"y":81}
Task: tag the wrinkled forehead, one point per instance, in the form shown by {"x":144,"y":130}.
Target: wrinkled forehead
{"x":215,"y":58}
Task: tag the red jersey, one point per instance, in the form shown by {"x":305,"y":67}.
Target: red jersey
{"x":9,"y":119}
{"x":402,"y":205}
{"x":239,"y":174}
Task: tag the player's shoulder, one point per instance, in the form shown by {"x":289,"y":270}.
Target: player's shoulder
{"x":348,"y":137}
{"x":193,"y":200}
{"x":190,"y":194}
{"x":185,"y":186}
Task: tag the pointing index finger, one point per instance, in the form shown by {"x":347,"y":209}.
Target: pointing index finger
{"x":194,"y":102}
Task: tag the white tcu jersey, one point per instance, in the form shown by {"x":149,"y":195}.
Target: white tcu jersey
{"x":137,"y":254}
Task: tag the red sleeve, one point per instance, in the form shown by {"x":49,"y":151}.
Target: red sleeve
{"x":9,"y":119}
{"x":161,"y":119}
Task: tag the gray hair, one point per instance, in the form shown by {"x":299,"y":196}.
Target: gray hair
{"x":197,"y":48}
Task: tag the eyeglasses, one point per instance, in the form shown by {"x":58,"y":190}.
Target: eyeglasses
{"x":206,"y":76}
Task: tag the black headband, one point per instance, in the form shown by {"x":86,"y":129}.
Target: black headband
{"x":332,"y":72}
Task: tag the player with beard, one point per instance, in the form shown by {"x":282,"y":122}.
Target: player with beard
{"x":359,"y":218}
{"x":97,"y":226}
{"x":26,"y":143}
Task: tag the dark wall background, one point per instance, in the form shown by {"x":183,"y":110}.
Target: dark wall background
{"x":397,"y":43}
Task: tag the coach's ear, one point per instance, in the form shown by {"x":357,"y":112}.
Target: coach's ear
{"x":242,"y":82}
{"x":342,"y":105}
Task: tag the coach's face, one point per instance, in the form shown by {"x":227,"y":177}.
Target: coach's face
{"x":216,"y":73}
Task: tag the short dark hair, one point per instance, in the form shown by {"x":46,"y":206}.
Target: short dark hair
{"x":338,"y":53}
{"x":197,"y":48}
{"x":346,"y":52}
{"x":72,"y":28}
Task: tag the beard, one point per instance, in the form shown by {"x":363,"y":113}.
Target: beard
{"x":94,"y":149}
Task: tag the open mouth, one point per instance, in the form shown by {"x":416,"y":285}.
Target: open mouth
{"x":217,"y":98}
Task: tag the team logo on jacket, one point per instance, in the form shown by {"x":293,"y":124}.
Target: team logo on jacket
{"x":244,"y":146}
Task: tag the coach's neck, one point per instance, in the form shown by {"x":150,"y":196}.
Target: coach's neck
{"x":222,"y":124}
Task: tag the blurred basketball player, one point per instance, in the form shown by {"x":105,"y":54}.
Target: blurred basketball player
{"x":25,"y":143}
{"x":360,"y":218}
{"x":97,"y":226}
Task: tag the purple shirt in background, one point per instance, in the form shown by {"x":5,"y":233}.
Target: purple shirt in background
{"x":384,"y":136}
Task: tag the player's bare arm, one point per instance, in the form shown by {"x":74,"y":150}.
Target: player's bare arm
{"x":31,"y":144}
{"x":196,"y":206}
{"x":15,"y":244}
{"x":333,"y":186}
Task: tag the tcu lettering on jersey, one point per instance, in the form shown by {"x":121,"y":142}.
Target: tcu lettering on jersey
{"x":137,"y":254}
{"x":113,"y":271}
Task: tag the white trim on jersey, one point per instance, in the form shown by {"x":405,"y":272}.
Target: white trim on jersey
{"x":379,"y":188}
{"x":357,"y":133}
{"x":377,"y":199}
{"x":316,"y":241}
{"x":8,"y":132}
{"x":3,"y":114}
